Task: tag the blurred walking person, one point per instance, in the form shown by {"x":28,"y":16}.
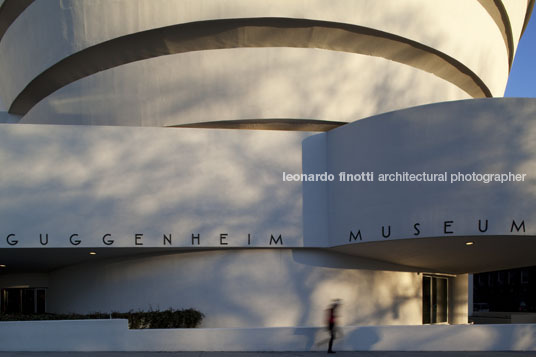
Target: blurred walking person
{"x":332,"y":323}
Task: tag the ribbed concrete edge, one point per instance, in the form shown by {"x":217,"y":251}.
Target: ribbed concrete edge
{"x":114,"y":335}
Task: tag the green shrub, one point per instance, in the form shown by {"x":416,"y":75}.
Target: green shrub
{"x":169,"y":318}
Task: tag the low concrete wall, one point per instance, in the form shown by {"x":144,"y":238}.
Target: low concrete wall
{"x":73,"y":335}
{"x":114,"y":335}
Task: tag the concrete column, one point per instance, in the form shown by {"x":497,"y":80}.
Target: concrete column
{"x":458,"y":299}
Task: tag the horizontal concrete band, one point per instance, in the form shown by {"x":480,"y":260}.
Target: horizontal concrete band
{"x":114,"y":335}
{"x":243,"y":33}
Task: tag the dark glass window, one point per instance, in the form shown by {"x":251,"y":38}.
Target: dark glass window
{"x":434,"y":300}
{"x":426,"y":300}
{"x":23,"y":300}
{"x":40,"y":301}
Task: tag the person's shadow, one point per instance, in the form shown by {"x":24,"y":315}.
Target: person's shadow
{"x":360,"y":339}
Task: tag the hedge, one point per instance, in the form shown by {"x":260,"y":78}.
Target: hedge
{"x":170,"y":318}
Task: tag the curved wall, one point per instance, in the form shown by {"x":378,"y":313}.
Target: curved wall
{"x":516,"y":13}
{"x":243,"y":288}
{"x":443,"y":222}
{"x":226,"y":186}
{"x":186,"y":182}
{"x":485,"y":136}
{"x":54,"y":30}
{"x":237,"y":84}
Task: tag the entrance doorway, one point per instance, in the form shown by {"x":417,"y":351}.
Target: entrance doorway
{"x":434,"y":300}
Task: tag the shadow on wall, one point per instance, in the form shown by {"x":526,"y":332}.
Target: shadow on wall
{"x":239,"y":288}
{"x":250,"y":83}
{"x":363,"y":338}
{"x":187,"y":88}
{"x":130,"y":178}
{"x":372,"y":292}
{"x":124,"y":181}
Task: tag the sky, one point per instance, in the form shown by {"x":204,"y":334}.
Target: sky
{"x":522,"y":80}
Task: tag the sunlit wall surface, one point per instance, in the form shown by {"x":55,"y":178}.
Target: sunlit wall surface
{"x":200,"y":215}
{"x":172,"y":62}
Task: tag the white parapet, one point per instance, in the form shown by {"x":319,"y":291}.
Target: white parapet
{"x":114,"y":335}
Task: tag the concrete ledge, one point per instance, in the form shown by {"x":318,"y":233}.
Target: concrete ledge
{"x":114,"y":335}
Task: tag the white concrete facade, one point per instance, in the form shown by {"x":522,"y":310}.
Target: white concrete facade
{"x":165,"y":91}
{"x":205,"y":214}
{"x":237,"y":215}
{"x":244,"y":288}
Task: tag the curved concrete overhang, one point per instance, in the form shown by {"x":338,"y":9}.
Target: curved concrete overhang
{"x":528,"y":14}
{"x":481,"y":156}
{"x":498,"y":13}
{"x":54,"y":30}
{"x":427,"y":255}
{"x":9,"y":11}
{"x":267,"y":124}
{"x":243,"y":84}
{"x":450,"y":255}
{"x":250,"y":32}
{"x":46,"y":260}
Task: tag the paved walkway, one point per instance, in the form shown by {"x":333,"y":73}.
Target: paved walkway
{"x":268,"y":354}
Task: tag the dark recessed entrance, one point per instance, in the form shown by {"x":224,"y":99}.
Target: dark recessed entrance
{"x":434,"y":300}
{"x":23,"y":300}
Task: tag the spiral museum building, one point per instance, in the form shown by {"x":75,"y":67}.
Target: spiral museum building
{"x":256,"y":159}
